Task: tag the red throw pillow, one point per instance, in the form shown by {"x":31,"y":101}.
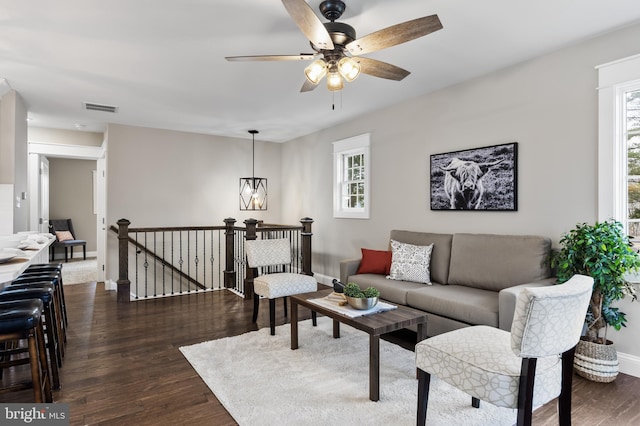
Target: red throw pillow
{"x":375,"y":262}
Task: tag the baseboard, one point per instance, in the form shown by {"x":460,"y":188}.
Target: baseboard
{"x":629,"y":364}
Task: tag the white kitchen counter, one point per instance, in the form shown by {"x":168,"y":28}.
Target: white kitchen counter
{"x":11,"y":269}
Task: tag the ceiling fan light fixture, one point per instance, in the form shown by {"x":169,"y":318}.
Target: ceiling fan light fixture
{"x":315,"y":71}
{"x":334,"y":81}
{"x":349,"y":68}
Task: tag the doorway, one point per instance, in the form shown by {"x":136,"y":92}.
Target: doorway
{"x":40,"y":153}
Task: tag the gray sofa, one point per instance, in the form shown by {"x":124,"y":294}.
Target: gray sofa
{"x":475,"y":277}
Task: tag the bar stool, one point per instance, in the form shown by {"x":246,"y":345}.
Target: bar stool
{"x":49,"y":268}
{"x":45,"y":293}
{"x":56,"y":306}
{"x":22,"y":320}
{"x":55,"y":279}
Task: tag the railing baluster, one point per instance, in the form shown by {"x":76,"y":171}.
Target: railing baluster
{"x":137,"y":269}
{"x":164,"y":263}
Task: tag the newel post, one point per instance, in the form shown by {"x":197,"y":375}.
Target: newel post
{"x":250,"y":234}
{"x":306,"y":245}
{"x":229,"y":267}
{"x":124,"y":285}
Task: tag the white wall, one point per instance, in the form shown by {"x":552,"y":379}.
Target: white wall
{"x":64,"y":137}
{"x":13,"y":158}
{"x":167,"y":178}
{"x":547,"y":105}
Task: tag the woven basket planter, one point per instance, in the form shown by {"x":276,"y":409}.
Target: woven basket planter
{"x":596,"y":362}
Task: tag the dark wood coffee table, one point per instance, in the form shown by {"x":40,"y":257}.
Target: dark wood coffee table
{"x":375,"y":325}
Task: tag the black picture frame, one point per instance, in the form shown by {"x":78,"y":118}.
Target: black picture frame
{"x":477,"y":179}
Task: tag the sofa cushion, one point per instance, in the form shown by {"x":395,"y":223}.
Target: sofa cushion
{"x":495,"y":262}
{"x":440,"y":255}
{"x":466,"y":304}
{"x":410,"y":262}
{"x":390,"y":290}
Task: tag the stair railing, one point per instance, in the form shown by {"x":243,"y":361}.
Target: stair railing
{"x":168,"y":261}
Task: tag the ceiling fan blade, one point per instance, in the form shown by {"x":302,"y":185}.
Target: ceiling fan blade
{"x":300,"y":57}
{"x":381,"y":69}
{"x":309,"y":23}
{"x":394,"y":35}
{"x":307,"y":86}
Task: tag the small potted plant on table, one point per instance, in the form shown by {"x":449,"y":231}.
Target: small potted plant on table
{"x":603,"y":252}
{"x":361,"y":299}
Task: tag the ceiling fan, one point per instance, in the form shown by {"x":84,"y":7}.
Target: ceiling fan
{"x":336,"y":48}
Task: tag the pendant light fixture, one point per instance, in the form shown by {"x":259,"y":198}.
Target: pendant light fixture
{"x":253,"y":190}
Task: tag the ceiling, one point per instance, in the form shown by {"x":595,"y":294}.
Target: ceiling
{"x":162,"y":62}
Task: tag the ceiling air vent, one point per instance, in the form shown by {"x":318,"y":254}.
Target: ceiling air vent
{"x":99,"y":107}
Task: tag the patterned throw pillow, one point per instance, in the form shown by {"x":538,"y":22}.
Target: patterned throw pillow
{"x":64,"y":235}
{"x":410,"y":262}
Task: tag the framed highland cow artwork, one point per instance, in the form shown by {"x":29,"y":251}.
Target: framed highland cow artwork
{"x":484,"y":179}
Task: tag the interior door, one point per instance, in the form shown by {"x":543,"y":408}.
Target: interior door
{"x":100,"y":200}
{"x":43,"y":206}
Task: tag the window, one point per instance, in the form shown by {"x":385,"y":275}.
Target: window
{"x":619,"y":144}
{"x":351,"y":177}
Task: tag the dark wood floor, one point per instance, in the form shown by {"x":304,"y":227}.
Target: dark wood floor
{"x":123,"y":366}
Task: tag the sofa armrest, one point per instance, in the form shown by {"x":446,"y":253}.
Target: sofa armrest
{"x":507,"y":301}
{"x":349,"y":267}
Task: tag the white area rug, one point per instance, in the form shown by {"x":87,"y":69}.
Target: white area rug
{"x":80,"y":271}
{"x":261,"y":381}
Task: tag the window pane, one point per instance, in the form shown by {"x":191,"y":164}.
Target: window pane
{"x":632,"y":123}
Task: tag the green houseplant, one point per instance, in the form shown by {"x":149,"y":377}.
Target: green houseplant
{"x":603,"y":252}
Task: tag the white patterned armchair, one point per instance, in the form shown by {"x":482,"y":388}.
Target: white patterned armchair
{"x":266,"y":253}
{"x":525,"y":368}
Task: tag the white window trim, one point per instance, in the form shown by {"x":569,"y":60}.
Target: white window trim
{"x":614,"y":78}
{"x":360,"y":143}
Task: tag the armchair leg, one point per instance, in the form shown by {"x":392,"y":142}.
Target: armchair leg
{"x":272,"y":316}
{"x":66,"y":254}
{"x":525,"y":391}
{"x":564,"y":401}
{"x":475,"y":402}
{"x":284,"y":301}
{"x":84,"y":252}
{"x":424,"y":379}
{"x":314,"y":318}
{"x":256,"y":304}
